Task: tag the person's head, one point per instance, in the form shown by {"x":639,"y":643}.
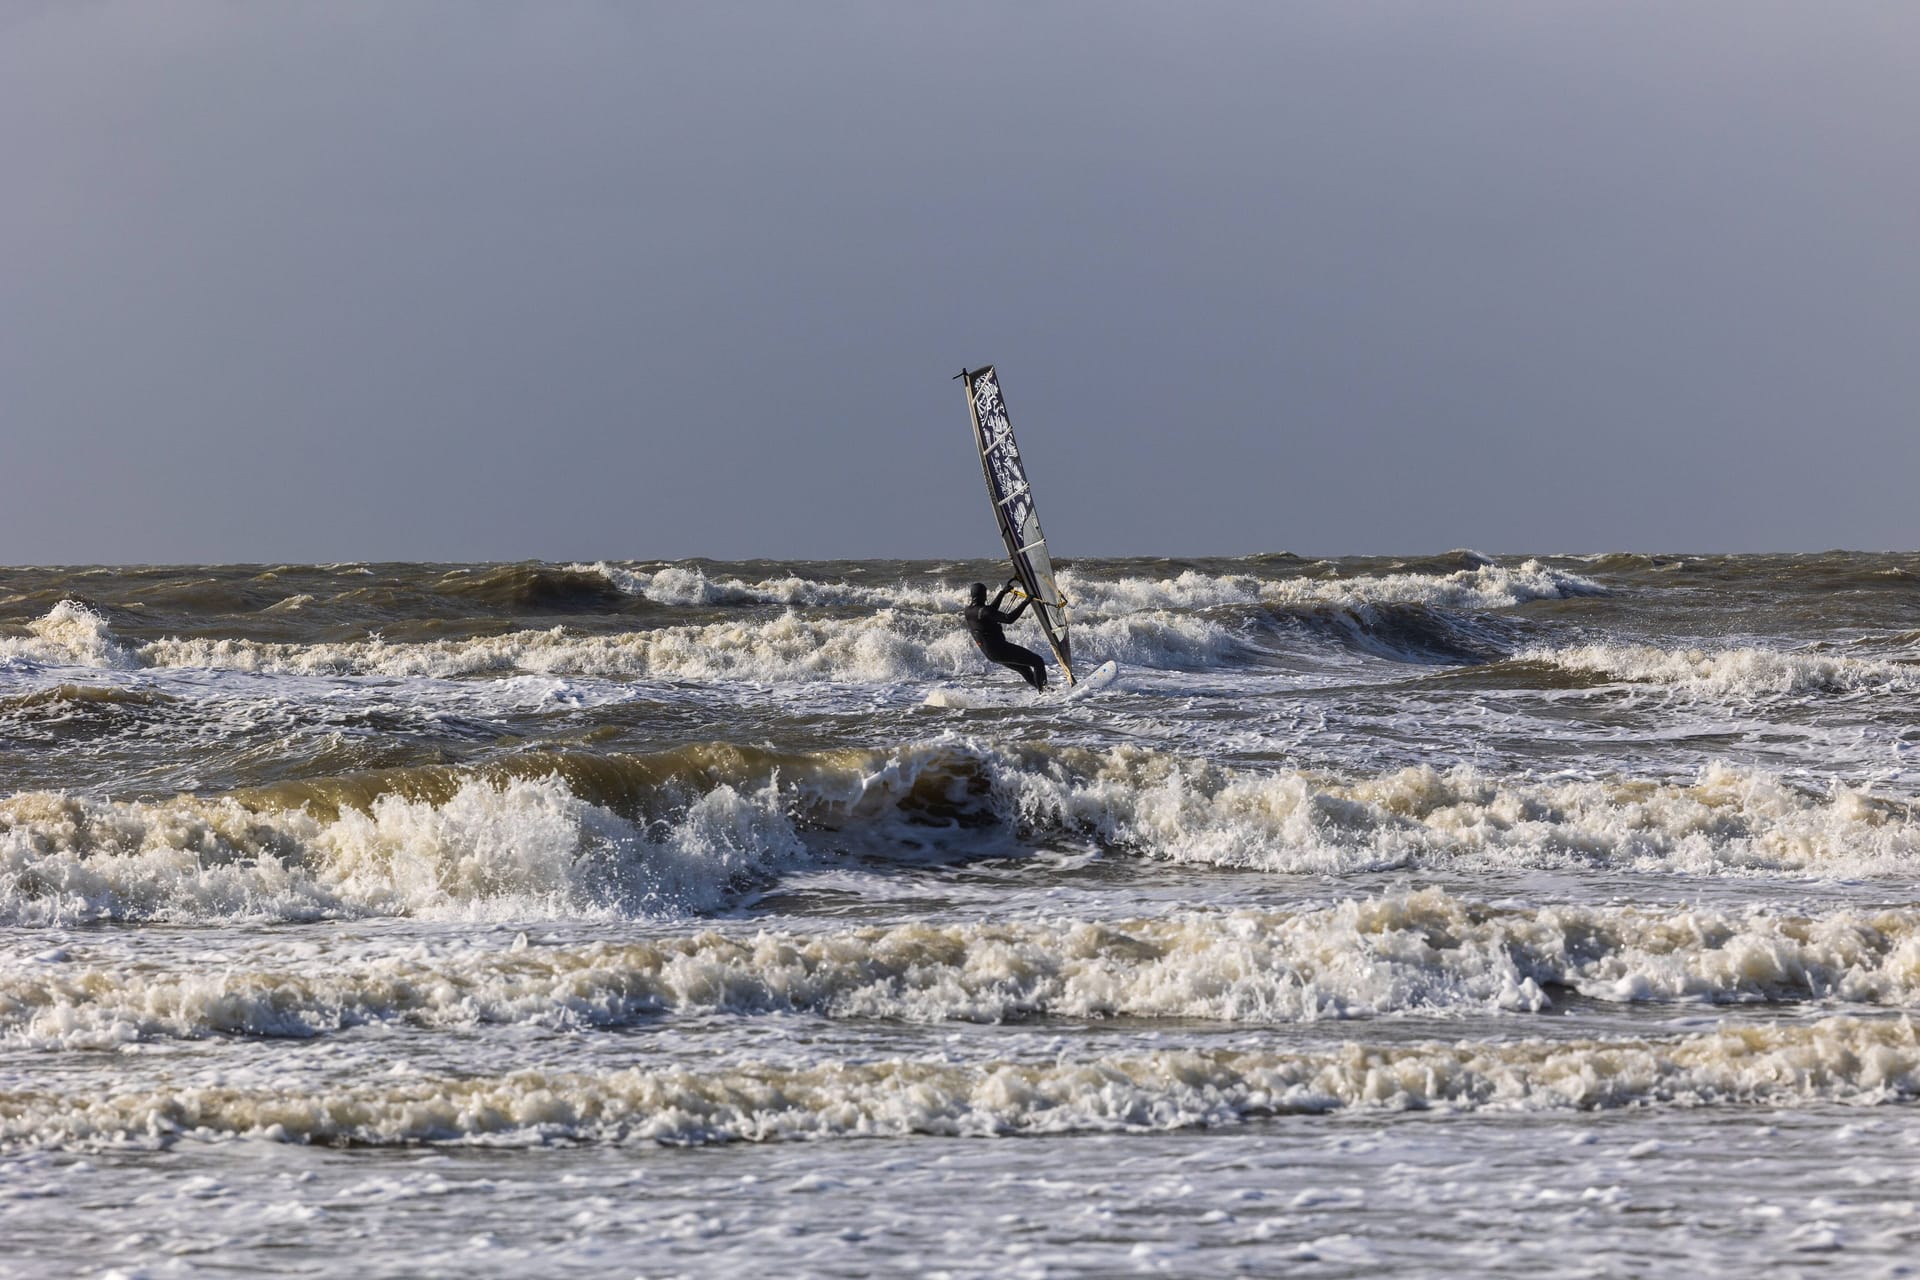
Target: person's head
{"x":978,"y":593}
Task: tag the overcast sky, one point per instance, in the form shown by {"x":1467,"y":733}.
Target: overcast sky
{"x":494,"y":281}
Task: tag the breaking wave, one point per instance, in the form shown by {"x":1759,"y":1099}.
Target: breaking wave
{"x":70,"y":635}
{"x":1484,"y":587}
{"x":1426,"y":952}
{"x":517,"y":848}
{"x":1732,"y":672}
{"x":885,"y":647}
{"x":684,"y":831}
{"x":888,"y":646}
{"x":1481,"y":586}
{"x":1727,"y":820}
{"x":1839,"y":1060}
{"x":1400,"y":632}
{"x":690,"y":585}
{"x":1190,"y":621}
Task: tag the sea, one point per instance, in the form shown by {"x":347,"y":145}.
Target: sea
{"x":1432,"y":916}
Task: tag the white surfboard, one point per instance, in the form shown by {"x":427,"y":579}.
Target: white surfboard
{"x":1010,"y":696}
{"x":1092,"y":682}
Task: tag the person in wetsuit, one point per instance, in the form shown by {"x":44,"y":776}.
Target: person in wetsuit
{"x":983,"y":624}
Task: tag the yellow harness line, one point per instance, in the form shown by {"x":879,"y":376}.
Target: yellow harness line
{"x":1061,"y":603}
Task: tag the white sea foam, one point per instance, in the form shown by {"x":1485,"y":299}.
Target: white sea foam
{"x":1728,"y":819}
{"x":1839,"y":1060}
{"x":1163,"y":640}
{"x":1485,"y":586}
{"x":689,"y":585}
{"x":525,"y":847}
{"x":908,"y":636}
{"x":1422,"y":952}
{"x":1088,"y":596}
{"x":70,"y":635}
{"x":889,"y":646}
{"x":1488,"y":586}
{"x":1731,"y":672}
{"x":885,"y":646}
{"x":532,"y":847}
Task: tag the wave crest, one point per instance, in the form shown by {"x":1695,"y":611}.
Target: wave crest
{"x":1479,"y":585}
{"x":1844,"y":1060}
{"x":71,"y":634}
{"x":1426,"y":952}
{"x":545,"y":834}
{"x":517,"y":848}
{"x":1732,"y":672}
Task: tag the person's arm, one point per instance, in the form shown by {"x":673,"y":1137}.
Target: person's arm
{"x":1018,"y":609}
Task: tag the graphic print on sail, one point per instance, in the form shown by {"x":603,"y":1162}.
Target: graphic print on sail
{"x":1012,"y":500}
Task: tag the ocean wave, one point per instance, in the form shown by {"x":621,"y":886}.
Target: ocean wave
{"x":1426,"y":952}
{"x":1850,"y":1061}
{"x":546,"y":833}
{"x":1481,"y":585}
{"x":1628,"y":561}
{"x":889,"y":646}
{"x":1731,"y":672}
{"x":529,"y":588}
{"x":1488,"y":586}
{"x":71,"y":634}
{"x":884,"y":647}
{"x":518,"y":848}
{"x":1185,"y":592}
{"x":1727,"y":820}
{"x":66,"y":700}
{"x":1188,"y":622}
{"x":1416,"y":633}
{"x":690,"y":585}
{"x":539,"y":835}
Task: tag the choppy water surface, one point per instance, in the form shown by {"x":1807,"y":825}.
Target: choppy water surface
{"x":1436,"y":915}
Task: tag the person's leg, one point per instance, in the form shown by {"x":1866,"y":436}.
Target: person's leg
{"x":1031,"y":666}
{"x":1019,"y":666}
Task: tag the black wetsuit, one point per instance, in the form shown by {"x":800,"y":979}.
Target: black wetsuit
{"x":983,"y":624}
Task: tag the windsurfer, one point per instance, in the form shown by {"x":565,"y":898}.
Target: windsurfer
{"x":984,"y":623}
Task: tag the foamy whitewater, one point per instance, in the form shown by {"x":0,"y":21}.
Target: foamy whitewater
{"x":1452,"y":915}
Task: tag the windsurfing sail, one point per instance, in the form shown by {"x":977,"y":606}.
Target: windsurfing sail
{"x":1012,"y":499}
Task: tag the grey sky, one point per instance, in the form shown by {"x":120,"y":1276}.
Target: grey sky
{"x":479,"y":281}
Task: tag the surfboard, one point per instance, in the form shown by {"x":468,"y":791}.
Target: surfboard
{"x":1101,"y":677}
{"x":1092,"y":682}
{"x":1013,"y":509}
